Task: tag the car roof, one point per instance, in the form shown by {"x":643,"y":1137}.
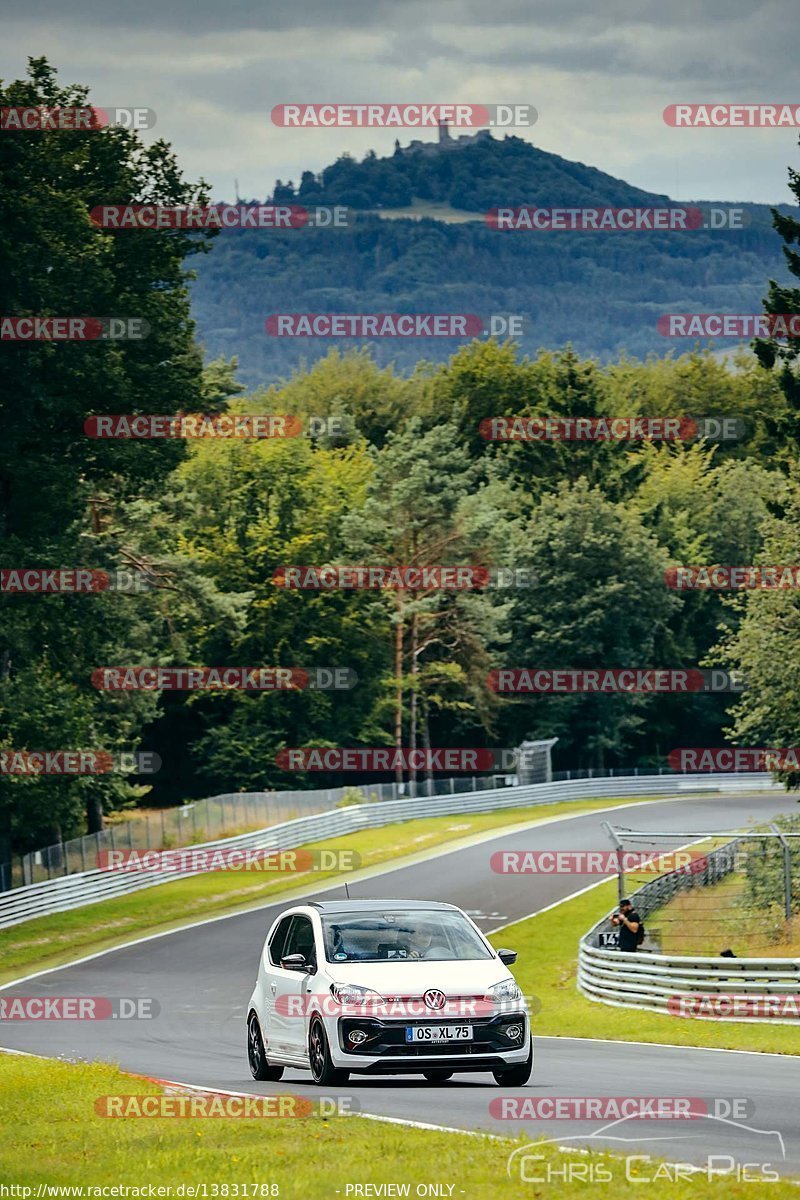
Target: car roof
{"x":360,"y":906}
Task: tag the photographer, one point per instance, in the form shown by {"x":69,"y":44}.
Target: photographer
{"x":628,"y":921}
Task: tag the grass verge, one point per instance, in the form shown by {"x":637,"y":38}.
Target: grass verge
{"x":50,"y":941}
{"x":58,"y":1139}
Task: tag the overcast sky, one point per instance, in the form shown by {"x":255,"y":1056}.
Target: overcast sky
{"x":599,"y":74}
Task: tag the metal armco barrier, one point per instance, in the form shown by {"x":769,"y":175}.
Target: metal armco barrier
{"x":704,"y":988}
{"x":89,"y":887}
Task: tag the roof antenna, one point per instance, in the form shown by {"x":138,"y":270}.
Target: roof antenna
{"x":346,"y":890}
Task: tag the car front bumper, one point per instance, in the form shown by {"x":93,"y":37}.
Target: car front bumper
{"x":385,"y":1048}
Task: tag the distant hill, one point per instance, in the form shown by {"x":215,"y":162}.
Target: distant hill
{"x":478,"y":172}
{"x":601,"y":291}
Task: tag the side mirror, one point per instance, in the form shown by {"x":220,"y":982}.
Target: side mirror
{"x":507,"y":956}
{"x":294,"y":962}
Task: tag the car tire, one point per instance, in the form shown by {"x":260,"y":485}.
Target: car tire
{"x":435,"y":1076}
{"x":323,"y":1072}
{"x":256,"y":1054}
{"x":516,"y":1076}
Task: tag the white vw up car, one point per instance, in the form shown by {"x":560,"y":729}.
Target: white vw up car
{"x":385,"y":987}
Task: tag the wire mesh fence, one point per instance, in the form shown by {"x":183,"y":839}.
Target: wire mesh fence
{"x":733,"y":895}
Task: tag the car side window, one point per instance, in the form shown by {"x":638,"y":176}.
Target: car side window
{"x":278,"y":941}
{"x":301,"y":940}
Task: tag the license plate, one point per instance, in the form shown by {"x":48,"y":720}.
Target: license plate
{"x":432,"y":1034}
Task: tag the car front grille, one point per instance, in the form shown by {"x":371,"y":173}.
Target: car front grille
{"x":388,"y":1039}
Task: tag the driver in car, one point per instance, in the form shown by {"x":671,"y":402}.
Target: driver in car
{"x":420,"y":942}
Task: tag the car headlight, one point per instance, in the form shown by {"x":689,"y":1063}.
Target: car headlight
{"x":355,"y":995}
{"x":507,"y":990}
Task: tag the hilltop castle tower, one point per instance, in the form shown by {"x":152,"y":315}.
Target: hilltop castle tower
{"x":445,"y":142}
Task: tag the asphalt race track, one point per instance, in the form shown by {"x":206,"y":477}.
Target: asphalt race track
{"x":202,"y":978}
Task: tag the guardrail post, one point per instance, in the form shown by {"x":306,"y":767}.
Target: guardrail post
{"x":787,"y":873}
{"x":618,"y":848}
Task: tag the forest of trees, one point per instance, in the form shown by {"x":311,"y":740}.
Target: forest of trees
{"x":472,"y":177}
{"x":409,"y":479}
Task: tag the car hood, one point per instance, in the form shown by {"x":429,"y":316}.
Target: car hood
{"x":412,"y":978}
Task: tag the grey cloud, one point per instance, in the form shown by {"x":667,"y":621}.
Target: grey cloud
{"x":599,"y":74}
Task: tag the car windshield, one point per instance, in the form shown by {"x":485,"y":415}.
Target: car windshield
{"x":400,"y":936}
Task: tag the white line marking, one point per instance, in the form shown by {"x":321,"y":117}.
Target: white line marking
{"x":555,"y":1037}
{"x":196,"y":1087}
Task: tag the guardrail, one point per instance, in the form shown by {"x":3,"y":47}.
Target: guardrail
{"x":706,"y":988}
{"x":90,"y":887}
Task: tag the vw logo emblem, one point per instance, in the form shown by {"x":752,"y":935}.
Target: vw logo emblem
{"x":434,"y":999}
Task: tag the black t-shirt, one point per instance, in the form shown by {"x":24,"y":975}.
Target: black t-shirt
{"x":627,"y":938}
